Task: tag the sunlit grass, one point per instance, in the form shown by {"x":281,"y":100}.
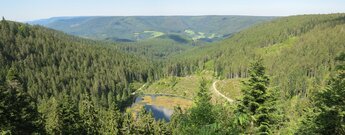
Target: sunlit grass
{"x":180,"y":86}
{"x":168,"y":102}
{"x":230,"y":88}
{"x":276,"y":49}
{"x":154,"y":33}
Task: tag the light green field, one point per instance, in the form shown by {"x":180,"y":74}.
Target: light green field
{"x":275,"y":49}
{"x":189,"y":86}
{"x":180,"y":86}
{"x":154,"y":34}
{"x":190,"y":32}
{"x":164,"y":101}
{"x":212,"y":36}
{"x":231,"y":88}
{"x":198,"y":35}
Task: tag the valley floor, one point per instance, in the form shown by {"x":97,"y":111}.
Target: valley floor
{"x":227,"y":90}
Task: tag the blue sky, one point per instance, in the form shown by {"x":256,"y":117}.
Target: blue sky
{"x":25,"y":10}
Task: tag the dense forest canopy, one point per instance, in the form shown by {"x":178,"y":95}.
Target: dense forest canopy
{"x":298,"y":51}
{"x":55,"y":83}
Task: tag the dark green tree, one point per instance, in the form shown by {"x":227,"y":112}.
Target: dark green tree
{"x":18,"y":111}
{"x":128,"y":125}
{"x":69,"y":116}
{"x":111,"y":120}
{"x":198,"y":119}
{"x":161,"y":128}
{"x":201,"y":113}
{"x":53,"y":122}
{"x":255,"y":110}
{"x":328,"y":116}
{"x":178,"y":121}
{"x":89,"y":115}
{"x":145,"y":122}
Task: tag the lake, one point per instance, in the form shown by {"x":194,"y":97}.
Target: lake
{"x":161,"y":106}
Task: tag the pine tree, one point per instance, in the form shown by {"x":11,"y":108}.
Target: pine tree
{"x":201,"y":112}
{"x":69,"y":116}
{"x":89,"y":115}
{"x":328,"y":116}
{"x":254,"y":111}
{"x":177,"y":121}
{"x":111,"y":120}
{"x":18,"y":111}
{"x":161,"y":128}
{"x":51,"y":111}
{"x":145,"y":122}
{"x":128,"y":127}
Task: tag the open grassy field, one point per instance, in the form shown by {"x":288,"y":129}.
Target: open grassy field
{"x":168,"y":102}
{"x":180,"y":86}
{"x":231,"y":88}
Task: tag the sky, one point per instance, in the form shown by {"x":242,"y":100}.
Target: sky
{"x":27,"y":10}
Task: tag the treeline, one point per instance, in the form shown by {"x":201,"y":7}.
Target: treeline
{"x":63,"y":114}
{"x":155,"y":49}
{"x":257,"y":113}
{"x":20,"y":113}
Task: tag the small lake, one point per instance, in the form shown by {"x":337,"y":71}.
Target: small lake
{"x":161,"y":106}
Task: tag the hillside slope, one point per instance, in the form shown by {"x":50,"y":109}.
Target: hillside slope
{"x":298,"y":51}
{"x":51,"y":63}
{"x":78,"y":77}
{"x":206,"y":28}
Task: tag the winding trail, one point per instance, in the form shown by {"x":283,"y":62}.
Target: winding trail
{"x":140,"y":88}
{"x":220,"y":94}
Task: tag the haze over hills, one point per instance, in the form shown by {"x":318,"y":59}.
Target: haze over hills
{"x":182,"y":29}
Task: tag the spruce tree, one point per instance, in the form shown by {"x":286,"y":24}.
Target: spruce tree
{"x":177,"y":121}
{"x":69,"y":116}
{"x":145,"y":122}
{"x":256,"y":106}
{"x":111,"y":121}
{"x":128,"y":127}
{"x":161,"y":128}
{"x":201,"y":112}
{"x":18,"y":111}
{"x":51,"y":112}
{"x":328,"y":116}
{"x":89,"y":115}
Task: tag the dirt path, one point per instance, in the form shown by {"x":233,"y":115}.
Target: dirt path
{"x":142,"y":86}
{"x":220,"y":94}
{"x":139,"y":88}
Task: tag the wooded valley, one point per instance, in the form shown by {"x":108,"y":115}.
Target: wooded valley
{"x":290,"y":72}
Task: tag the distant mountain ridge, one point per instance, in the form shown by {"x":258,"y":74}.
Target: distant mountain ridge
{"x":133,"y":28}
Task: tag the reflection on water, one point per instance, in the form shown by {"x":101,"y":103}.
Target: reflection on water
{"x":159,"y":112}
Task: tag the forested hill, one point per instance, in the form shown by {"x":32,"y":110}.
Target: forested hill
{"x":54,"y":83}
{"x":50,"y":62}
{"x":204,"y":28}
{"x":298,"y":51}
